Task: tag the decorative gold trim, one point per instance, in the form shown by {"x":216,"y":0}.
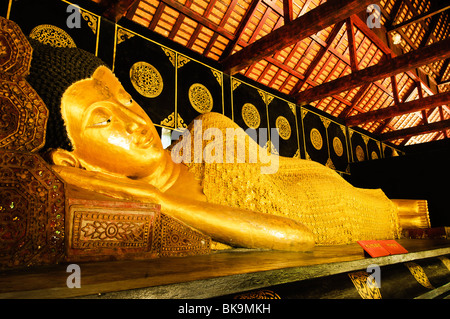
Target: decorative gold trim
{"x":365,"y":138}
{"x":330,"y":164}
{"x":217,"y":75}
{"x":200,"y":98}
{"x":94,"y":228}
{"x":169,"y":121}
{"x":261,"y":294}
{"x":304,"y":112}
{"x":271,"y":148}
{"x":307,"y":156}
{"x":180,"y":122}
{"x":251,"y":116}
{"x":293,"y":107}
{"x":91,"y":19}
{"x":235,"y":83}
{"x":316,"y":139}
{"x":171,"y":55}
{"x":52,"y":35}
{"x":283,"y":127}
{"x":146,"y":79}
{"x":419,"y":274}
{"x":123,"y":35}
{"x":338,"y":146}
{"x":326,"y":122}
{"x":445,"y":261}
{"x":374,"y":155}
{"x":182,"y":61}
{"x":297,"y":154}
{"x":359,"y":280}
{"x":262,"y":94}
{"x":360,"y":156}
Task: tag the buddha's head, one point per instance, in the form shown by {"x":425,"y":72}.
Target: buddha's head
{"x":94,"y":123}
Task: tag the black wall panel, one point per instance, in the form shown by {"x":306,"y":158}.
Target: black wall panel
{"x":199,"y":89}
{"x":374,"y":149}
{"x":51,"y":21}
{"x":358,"y":146}
{"x":147,"y":71}
{"x":315,"y":136}
{"x":250,"y":109}
{"x":283,"y":118}
{"x":339,"y":154}
{"x":174,"y":85}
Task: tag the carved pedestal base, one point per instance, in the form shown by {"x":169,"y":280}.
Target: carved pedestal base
{"x":32,"y":205}
{"x":99,"y":229}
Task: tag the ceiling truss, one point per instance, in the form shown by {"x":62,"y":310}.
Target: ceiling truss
{"x":306,"y":47}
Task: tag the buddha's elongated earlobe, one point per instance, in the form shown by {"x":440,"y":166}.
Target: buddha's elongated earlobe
{"x":65,"y":158}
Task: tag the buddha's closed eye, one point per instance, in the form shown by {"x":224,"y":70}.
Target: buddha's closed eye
{"x":100,"y":119}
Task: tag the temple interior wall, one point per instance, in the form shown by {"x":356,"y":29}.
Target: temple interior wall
{"x":175,"y":85}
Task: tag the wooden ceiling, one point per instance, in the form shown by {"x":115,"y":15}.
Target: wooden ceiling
{"x":329,"y":54}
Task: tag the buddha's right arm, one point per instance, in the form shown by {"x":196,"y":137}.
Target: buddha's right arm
{"x":232,"y":226}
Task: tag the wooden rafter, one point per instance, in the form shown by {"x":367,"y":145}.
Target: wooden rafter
{"x":355,"y":100}
{"x":418,"y":18}
{"x":416,"y":130}
{"x":198,"y":18}
{"x":288,"y":13}
{"x":157,"y":16}
{"x":310,"y":23}
{"x":290,"y":69}
{"x":406,"y":62}
{"x":115,"y":9}
{"x":132,"y":9}
{"x":362,"y":26}
{"x":387,"y":121}
{"x":351,"y":44}
{"x":442,"y":72}
{"x":242,"y":25}
{"x":400,"y":109}
{"x":323,"y":50}
{"x":395,"y":9}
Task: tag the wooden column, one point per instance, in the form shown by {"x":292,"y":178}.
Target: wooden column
{"x":429,"y":54}
{"x":308,"y":24}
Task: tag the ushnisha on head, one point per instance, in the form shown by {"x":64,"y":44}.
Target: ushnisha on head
{"x":94,"y":123}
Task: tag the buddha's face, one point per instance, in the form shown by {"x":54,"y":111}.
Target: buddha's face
{"x":109,"y":131}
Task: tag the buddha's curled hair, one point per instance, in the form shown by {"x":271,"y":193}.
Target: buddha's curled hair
{"x":52,"y":71}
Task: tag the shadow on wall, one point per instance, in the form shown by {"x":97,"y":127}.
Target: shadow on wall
{"x":423,"y":173}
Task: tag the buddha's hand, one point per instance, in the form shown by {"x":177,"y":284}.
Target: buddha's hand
{"x":113,"y":186}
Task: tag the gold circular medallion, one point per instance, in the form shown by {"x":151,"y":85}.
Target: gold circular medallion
{"x":284,"y":128}
{"x":374,"y":155}
{"x":200,"y":98}
{"x":359,"y":153}
{"x":337,"y":146}
{"x":146,"y":79}
{"x":316,"y":139}
{"x":251,"y":116}
{"x":52,"y":35}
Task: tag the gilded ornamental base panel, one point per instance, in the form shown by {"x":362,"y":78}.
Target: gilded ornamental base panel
{"x":99,"y":230}
{"x":32,"y":205}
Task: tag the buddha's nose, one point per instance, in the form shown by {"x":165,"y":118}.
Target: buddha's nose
{"x":133,"y":127}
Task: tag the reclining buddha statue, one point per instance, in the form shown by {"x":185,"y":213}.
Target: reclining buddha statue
{"x":99,"y":139}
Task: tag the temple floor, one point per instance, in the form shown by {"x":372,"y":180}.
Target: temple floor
{"x":424,"y":272}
